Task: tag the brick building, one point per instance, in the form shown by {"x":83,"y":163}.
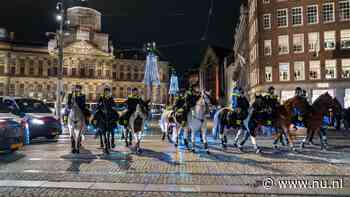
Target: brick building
{"x":302,"y":43}
{"x":30,"y":70}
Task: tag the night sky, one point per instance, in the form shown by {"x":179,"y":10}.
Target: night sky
{"x":177,"y":25}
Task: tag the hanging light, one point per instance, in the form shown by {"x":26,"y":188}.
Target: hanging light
{"x":174,"y":84}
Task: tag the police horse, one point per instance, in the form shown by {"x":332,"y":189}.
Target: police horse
{"x":135,"y":124}
{"x":76,"y":126}
{"x":105,"y":120}
{"x":196,"y":121}
{"x":322,"y":111}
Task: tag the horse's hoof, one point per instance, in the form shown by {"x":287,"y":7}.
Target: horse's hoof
{"x":73,"y":151}
{"x":224,"y":146}
{"x":163,"y":137}
{"x":240,"y":149}
{"x":193,"y":150}
{"x":275,"y":147}
{"x":258,"y":151}
{"x":208,"y":152}
{"x":235,"y":145}
{"x":176,"y":145}
{"x":113,"y":145}
{"x":302,"y":145}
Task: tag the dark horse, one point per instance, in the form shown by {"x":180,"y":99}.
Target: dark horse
{"x":105,"y":120}
{"x":322,"y":112}
{"x":262,"y":114}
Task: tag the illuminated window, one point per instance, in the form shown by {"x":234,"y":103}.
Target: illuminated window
{"x":298,"y":43}
{"x":329,"y":40}
{"x":284,"y":71}
{"x":283,"y":44}
{"x":331,"y":69}
{"x":314,"y":42}
{"x":299,"y":71}
{"x":345,"y":39}
{"x":345,"y":65}
{"x":268,"y":73}
{"x":267,"y":47}
{"x":314,"y":70}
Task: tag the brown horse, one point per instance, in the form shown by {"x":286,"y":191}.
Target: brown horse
{"x":314,"y":122}
{"x":264,"y":115}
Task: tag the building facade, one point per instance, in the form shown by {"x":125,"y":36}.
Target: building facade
{"x":302,"y":43}
{"x":236,"y":73}
{"x":29,"y":70}
{"x":211,"y":72}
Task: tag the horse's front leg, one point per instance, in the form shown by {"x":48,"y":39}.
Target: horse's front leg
{"x":106,"y":142}
{"x":323,"y":138}
{"x":101,"y":138}
{"x":193,"y":139}
{"x":289,"y":137}
{"x":204,"y":136}
{"x":72,"y":143}
{"x":222,"y":135}
{"x":185,"y":136}
{"x":126,"y":131}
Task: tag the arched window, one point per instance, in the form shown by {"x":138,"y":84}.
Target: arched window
{"x":129,"y":90}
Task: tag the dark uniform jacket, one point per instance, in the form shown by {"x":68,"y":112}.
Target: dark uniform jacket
{"x":106,"y":117}
{"x":79,"y":99}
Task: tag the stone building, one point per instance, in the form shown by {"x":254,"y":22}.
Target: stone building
{"x":236,"y":73}
{"x":302,"y":43}
{"x":30,"y":70}
{"x":211,"y":71}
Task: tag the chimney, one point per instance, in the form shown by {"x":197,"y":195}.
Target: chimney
{"x":12,"y":36}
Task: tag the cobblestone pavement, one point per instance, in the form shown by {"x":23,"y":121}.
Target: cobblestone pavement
{"x":47,"y":168}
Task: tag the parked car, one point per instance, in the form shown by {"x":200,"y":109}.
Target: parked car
{"x":11,"y":132}
{"x":36,"y":117}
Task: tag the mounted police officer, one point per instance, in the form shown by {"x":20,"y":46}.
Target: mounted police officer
{"x":79,"y":98}
{"x":272,"y":103}
{"x":133,"y":100}
{"x":108,"y":116}
{"x":240,"y":106}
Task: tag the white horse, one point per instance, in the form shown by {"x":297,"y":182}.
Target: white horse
{"x":137,"y":125}
{"x":197,"y":120}
{"x":168,"y":125}
{"x":76,"y":126}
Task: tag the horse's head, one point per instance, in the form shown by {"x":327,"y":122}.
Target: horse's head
{"x":75,"y":115}
{"x":324,"y":103}
{"x":204,"y":100}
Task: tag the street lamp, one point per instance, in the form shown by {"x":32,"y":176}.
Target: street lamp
{"x":61,"y":18}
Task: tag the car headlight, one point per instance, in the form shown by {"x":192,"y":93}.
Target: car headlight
{"x":37,"y":121}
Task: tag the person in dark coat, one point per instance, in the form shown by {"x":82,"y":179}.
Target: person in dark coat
{"x":133,"y":100}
